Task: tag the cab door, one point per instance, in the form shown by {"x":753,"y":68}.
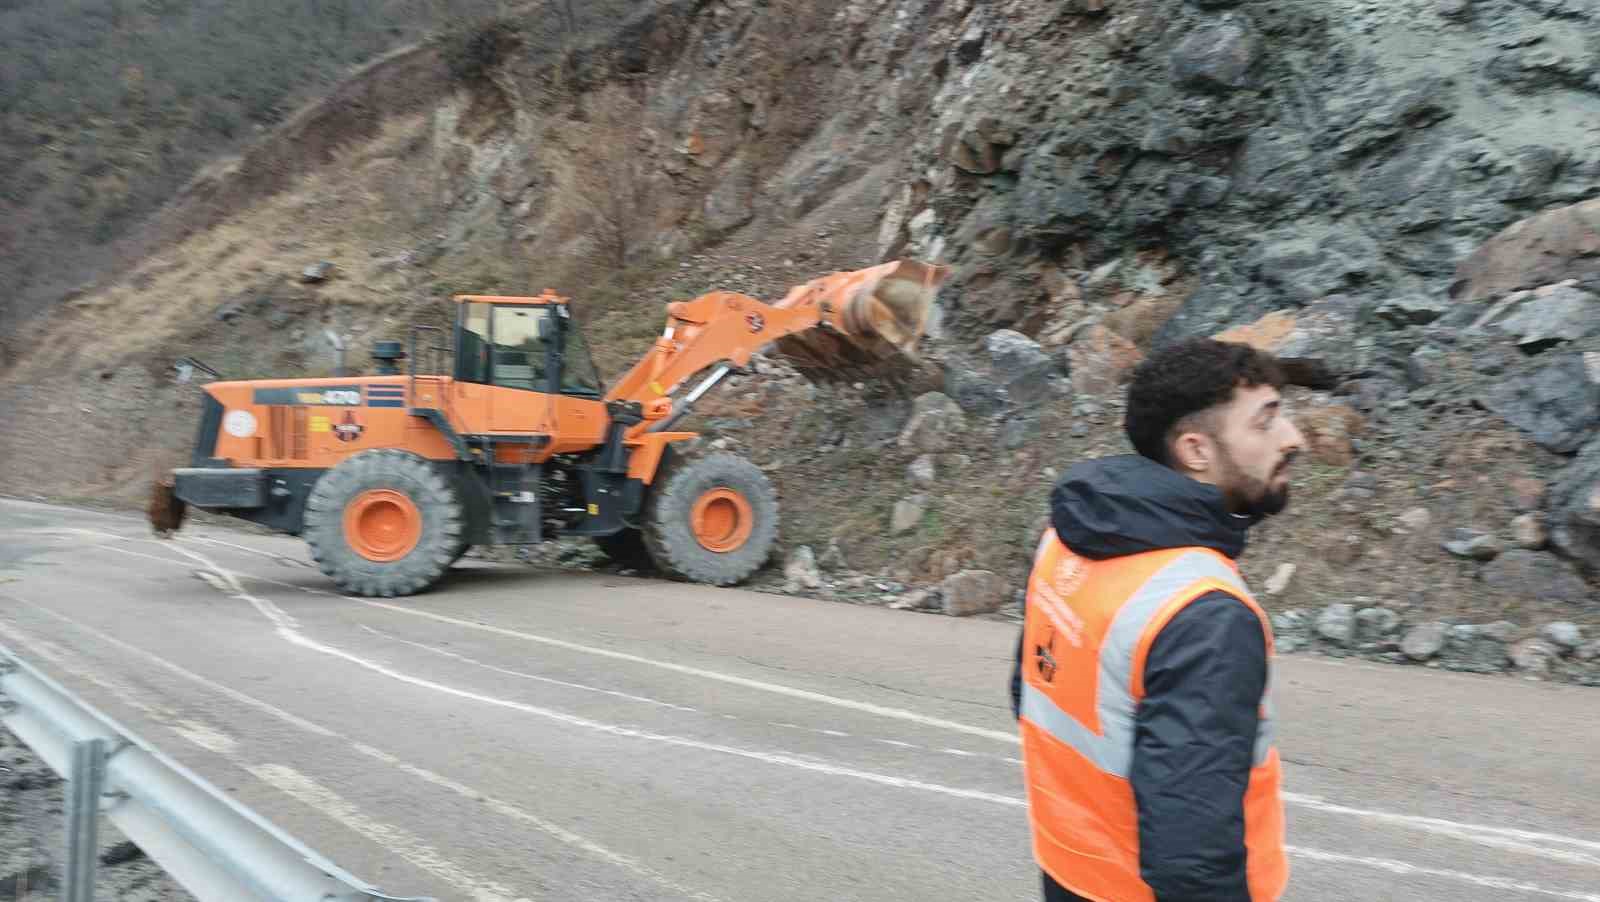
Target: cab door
{"x":522,"y":340}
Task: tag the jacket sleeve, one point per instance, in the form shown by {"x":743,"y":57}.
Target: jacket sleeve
{"x":1016,"y":676}
{"x":1194,"y":742}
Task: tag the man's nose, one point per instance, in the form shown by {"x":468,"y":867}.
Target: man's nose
{"x":1293,"y":440}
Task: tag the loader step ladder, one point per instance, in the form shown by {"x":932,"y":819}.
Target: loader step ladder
{"x":516,"y":515}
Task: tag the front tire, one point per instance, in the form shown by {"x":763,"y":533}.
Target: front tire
{"x":384,"y":523}
{"x":711,"y":519}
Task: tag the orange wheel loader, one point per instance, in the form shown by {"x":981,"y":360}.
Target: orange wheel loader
{"x":392,"y":477}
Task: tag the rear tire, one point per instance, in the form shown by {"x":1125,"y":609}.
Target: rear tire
{"x":711,"y":519}
{"x":384,"y":523}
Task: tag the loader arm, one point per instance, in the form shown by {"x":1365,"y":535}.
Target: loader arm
{"x":839,"y":325}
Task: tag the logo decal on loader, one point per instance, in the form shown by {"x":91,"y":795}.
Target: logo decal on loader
{"x":338,"y":396}
{"x":240,"y":423}
{"x":348,"y":429}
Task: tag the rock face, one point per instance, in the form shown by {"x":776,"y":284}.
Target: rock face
{"x":1281,"y":152}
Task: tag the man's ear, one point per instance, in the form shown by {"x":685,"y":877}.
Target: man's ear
{"x":1193,"y":453}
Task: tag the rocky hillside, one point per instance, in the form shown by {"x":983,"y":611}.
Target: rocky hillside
{"x":1404,"y":190}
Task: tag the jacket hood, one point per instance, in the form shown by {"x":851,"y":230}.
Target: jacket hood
{"x":1129,"y":504}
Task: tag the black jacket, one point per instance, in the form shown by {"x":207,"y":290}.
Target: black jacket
{"x":1204,"y":676}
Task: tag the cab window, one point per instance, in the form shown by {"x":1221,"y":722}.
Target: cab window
{"x":472,"y":352}
{"x":578,"y":374}
{"x":521,"y":337}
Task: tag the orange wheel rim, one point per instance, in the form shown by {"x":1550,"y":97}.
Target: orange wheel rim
{"x":722,"y":520}
{"x":382,"y":525}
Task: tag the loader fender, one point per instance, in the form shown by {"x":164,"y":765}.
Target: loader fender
{"x":645,"y":459}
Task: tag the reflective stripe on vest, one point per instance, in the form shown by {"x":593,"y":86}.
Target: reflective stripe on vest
{"x":1112,"y":750}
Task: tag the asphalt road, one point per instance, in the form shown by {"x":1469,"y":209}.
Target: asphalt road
{"x":516,"y":734}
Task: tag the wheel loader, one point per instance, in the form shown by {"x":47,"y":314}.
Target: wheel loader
{"x":391,"y":477}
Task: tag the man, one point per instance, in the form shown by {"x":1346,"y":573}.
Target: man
{"x":1141,"y":684}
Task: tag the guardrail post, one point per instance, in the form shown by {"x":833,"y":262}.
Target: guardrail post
{"x":84,"y":787}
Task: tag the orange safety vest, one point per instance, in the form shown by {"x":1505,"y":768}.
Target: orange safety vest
{"x":1087,"y":631}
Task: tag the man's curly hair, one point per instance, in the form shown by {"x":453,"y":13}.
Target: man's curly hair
{"x":1186,"y":379}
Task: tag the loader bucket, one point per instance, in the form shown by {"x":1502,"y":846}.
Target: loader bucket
{"x":877,"y":315}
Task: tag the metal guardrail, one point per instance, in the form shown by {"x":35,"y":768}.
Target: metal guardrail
{"x":213,"y":846}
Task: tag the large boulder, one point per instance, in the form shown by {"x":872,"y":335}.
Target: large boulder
{"x":1101,"y":361}
{"x":1545,"y":317}
{"x":1330,"y":431}
{"x":1327,"y":331}
{"x":1536,"y":575}
{"x":973,"y":592}
{"x":1575,"y":509}
{"x":1558,"y":404}
{"x":1217,"y":56}
{"x":1022,"y":366}
{"x":935,"y":421}
{"x":1554,"y":245}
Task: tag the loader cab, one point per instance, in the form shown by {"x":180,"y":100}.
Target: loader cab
{"x":532,"y":344}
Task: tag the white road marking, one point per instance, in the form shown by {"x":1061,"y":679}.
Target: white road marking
{"x":1525,"y":841}
{"x":396,"y":839}
{"x":1406,"y":868}
{"x":838,"y":734}
{"x":664,"y":738}
{"x":746,"y":682}
{"x":528,"y":676}
{"x":269,"y":555}
{"x":566,"y":836}
{"x":207,"y":737}
{"x":506,"y":809}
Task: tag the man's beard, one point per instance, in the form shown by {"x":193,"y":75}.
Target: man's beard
{"x":1248,"y":496}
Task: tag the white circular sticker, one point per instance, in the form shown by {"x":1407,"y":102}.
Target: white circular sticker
{"x":239,"y":423}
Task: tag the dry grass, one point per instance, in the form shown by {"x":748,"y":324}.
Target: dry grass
{"x":339,"y":215}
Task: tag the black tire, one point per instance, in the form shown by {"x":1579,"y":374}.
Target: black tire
{"x":434,"y":497}
{"x":669,"y":533}
{"x":626,"y":549}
